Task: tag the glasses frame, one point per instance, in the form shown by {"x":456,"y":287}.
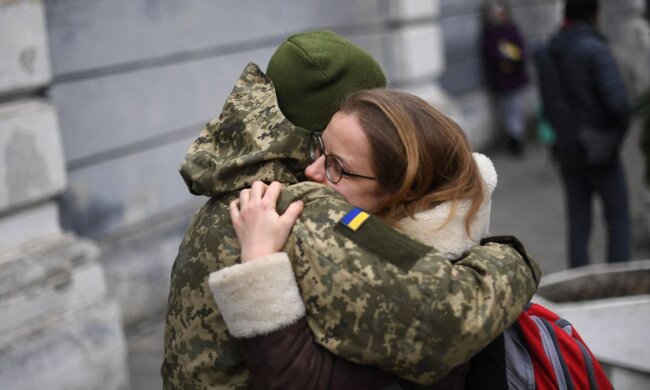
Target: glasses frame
{"x":317,"y":149}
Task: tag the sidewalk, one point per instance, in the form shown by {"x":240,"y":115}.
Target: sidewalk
{"x":145,"y":342}
{"x":527,"y":203}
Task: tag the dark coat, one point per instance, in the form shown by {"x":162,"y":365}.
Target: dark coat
{"x":585,"y":88}
{"x":289,"y":358}
{"x":505,"y":69}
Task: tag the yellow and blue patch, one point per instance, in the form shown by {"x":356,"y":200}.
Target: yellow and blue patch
{"x":354,"y":219}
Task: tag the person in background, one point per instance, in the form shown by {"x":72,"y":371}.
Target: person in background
{"x":583,"y":93}
{"x":642,"y":109}
{"x":504,"y":58}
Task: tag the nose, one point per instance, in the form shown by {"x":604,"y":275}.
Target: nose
{"x":316,"y":171}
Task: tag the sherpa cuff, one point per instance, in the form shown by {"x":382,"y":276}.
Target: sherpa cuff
{"x":258,"y":297}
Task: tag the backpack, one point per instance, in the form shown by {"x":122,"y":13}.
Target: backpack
{"x":540,"y":351}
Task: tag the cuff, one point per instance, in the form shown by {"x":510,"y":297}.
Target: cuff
{"x":258,"y":297}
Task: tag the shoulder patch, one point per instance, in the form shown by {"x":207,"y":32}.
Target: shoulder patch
{"x":354,"y":219}
{"x":382,"y":240}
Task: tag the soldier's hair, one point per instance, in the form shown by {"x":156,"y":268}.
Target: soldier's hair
{"x":420,"y":156}
{"x":585,"y":10}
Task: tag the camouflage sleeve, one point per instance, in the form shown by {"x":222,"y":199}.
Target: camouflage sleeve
{"x":377,"y":297}
{"x":262,"y":307}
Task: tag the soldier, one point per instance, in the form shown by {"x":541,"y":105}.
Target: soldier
{"x":423,"y":332}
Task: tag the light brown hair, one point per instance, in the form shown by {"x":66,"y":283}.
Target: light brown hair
{"x":420,"y":156}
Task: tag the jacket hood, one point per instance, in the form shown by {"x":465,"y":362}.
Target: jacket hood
{"x":251,"y":140}
{"x":451,"y":238}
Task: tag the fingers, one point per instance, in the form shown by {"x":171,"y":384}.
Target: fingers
{"x":291,"y":214}
{"x":235,"y":215}
{"x":258,"y":189}
{"x":272,"y":194}
{"x":244,"y":198}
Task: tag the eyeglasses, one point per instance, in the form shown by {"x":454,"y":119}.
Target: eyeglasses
{"x":333,"y":168}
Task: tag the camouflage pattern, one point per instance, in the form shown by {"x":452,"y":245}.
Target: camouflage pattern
{"x":417,"y":322}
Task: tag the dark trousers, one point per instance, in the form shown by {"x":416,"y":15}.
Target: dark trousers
{"x":579,"y":186}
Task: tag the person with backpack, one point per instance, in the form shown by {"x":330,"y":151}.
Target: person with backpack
{"x":419,"y":174}
{"x":260,"y":301}
{"x":585,"y":100}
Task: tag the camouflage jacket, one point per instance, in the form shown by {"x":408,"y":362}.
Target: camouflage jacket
{"x":373,"y":295}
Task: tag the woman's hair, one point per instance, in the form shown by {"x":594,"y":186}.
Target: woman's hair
{"x":420,"y":156}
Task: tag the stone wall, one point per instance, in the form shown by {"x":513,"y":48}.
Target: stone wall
{"x":134,"y":82}
{"x":59,"y":328}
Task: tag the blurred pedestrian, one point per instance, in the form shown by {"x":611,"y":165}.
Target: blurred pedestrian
{"x":643,"y":111}
{"x":585,"y":101}
{"x":504,"y":59}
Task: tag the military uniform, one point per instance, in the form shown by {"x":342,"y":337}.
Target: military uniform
{"x":372,"y":296}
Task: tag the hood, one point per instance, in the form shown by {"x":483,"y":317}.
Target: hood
{"x":451,"y":239}
{"x":251,"y":140}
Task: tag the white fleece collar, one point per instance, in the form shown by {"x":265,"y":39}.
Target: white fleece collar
{"x":452,"y":239}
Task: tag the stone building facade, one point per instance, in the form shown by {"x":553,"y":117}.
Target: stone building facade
{"x":98,"y":104}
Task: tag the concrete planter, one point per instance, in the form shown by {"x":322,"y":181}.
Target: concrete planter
{"x":609,"y":304}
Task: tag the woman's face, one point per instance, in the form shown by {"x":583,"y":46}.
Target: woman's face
{"x":345,"y":139}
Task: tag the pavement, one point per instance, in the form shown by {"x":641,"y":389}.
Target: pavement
{"x":527,"y":203}
{"x":145,"y":348}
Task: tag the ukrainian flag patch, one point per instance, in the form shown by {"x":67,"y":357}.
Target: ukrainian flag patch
{"x":354,"y":219}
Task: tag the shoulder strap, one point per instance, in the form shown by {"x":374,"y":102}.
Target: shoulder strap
{"x":591,"y":374}
{"x":552,"y":350}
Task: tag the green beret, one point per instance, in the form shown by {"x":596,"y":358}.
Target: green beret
{"x":314,"y":71}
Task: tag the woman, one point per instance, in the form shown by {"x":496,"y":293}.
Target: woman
{"x":386,"y":152}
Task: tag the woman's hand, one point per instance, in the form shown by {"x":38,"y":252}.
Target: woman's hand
{"x":260,"y":229}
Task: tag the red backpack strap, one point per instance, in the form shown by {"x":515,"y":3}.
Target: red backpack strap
{"x":561,"y":359}
{"x":586,"y":355}
{"x":554,"y":353}
{"x":538,"y":342}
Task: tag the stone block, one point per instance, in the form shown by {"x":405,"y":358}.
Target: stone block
{"x":105,"y":115}
{"x":597,"y":281}
{"x":418,"y":53}
{"x":477,"y":118}
{"x":24,"y":63}
{"x":463,"y":77}
{"x":81,"y":353}
{"x":105,"y":197}
{"x":612,"y":328}
{"x":30,"y":149}
{"x":461,"y":35}
{"x":59,"y":329}
{"x":537,"y":22}
{"x":43,"y":279}
{"x":25,"y":225}
{"x":138,"y":264}
{"x":414,"y":9}
{"x":85,"y":36}
{"x":609,"y":304}
{"x":438,"y":98}
{"x":625,"y":379}
{"x":455,"y":7}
